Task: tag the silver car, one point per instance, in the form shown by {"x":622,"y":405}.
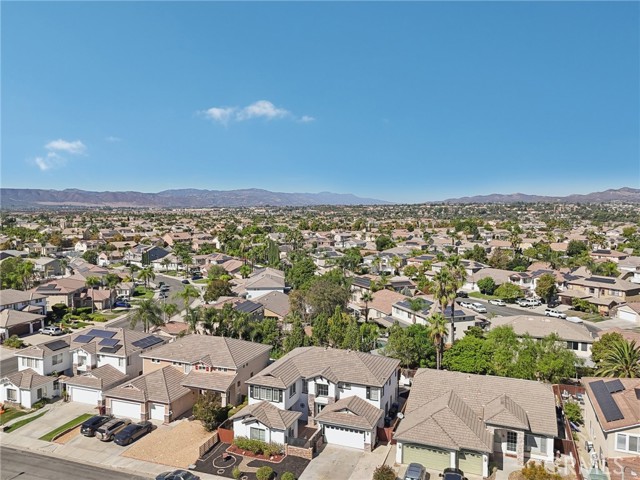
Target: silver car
{"x":415,"y":471}
{"x":106,"y":432}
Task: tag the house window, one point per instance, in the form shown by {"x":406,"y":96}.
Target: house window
{"x":266,"y":393}
{"x":56,"y":359}
{"x":536,"y":445}
{"x":322,"y":390}
{"x":56,"y":385}
{"x":373,"y":393}
{"x":512,"y":441}
{"x":257,"y":434}
{"x":121,"y":362}
{"x":82,"y":360}
{"x":627,"y":443}
{"x":319,"y":407}
{"x":292,"y":390}
{"x":573,"y":345}
{"x":30,"y":362}
{"x":12,"y":395}
{"x":583,"y":347}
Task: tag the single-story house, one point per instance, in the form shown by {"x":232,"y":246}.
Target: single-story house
{"x":266,"y":422}
{"x":630,"y":312}
{"x":15,"y":322}
{"x":26,"y":387}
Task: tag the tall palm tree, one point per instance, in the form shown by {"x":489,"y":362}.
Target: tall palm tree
{"x":148,"y":313}
{"x":444,"y":288}
{"x":165,"y":262}
{"x":437,"y":333}
{"x":146,"y":274}
{"x":416,"y":304}
{"x":192,"y":318}
{"x":622,"y":360}
{"x":188,"y":294}
{"x":395,"y":263}
{"x":366,"y":298}
{"x":169,"y":310}
{"x":91,"y":283}
{"x":459,"y":275}
{"x":111,"y":280}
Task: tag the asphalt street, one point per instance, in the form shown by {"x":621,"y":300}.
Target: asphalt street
{"x":25,"y":465}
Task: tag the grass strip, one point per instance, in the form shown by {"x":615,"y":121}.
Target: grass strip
{"x":73,"y":423}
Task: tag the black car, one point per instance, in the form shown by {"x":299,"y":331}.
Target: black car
{"x":452,"y":474}
{"x":177,"y":475}
{"x":132,"y":432}
{"x":89,"y":427}
{"x":462,"y":294}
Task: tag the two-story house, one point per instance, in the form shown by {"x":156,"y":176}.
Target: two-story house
{"x":464,"y":421}
{"x":263,"y":282}
{"x":175,"y":375}
{"x":344,"y":393}
{"x":21,"y":312}
{"x":603,"y":292}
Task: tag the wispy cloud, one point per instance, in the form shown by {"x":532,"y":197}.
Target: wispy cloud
{"x":112,"y":139}
{"x":74,"y":148}
{"x":54,"y":158}
{"x":260,"y":109}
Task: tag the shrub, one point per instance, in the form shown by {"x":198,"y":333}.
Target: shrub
{"x":40,"y":403}
{"x":253,"y":446}
{"x":272,"y":449}
{"x":81,"y":310}
{"x":537,"y":471}
{"x":487,"y":285}
{"x":14,"y":342}
{"x":97,"y":317}
{"x":384,"y":472}
{"x":264,"y":473}
{"x":209,"y":410}
{"x":288,"y":476}
{"x":236,"y":473}
{"x":573,"y":412}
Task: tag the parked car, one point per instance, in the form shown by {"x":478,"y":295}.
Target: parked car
{"x":51,"y":330}
{"x":185,"y":281}
{"x":465,"y":304}
{"x":452,"y":474}
{"x":177,"y":475}
{"x":462,"y":294}
{"x":550,"y":312}
{"x":196,"y":276}
{"x":107,"y":431}
{"x":89,"y":427}
{"x":164,"y":288}
{"x":132,"y":432}
{"x":498,"y":302}
{"x":478,"y":307}
{"x":526,"y":303}
{"x":122,"y":304}
{"x":415,"y":471}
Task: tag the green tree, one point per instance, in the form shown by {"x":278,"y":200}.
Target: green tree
{"x":111,"y":280}
{"x":301,"y":272}
{"x":216,"y":289}
{"x":169,"y":310}
{"x":367,"y":298}
{"x":508,"y":292}
{"x":555,"y":363}
{"x":477,"y":253}
{"x":338,"y":324}
{"x":369,"y":333}
{"x":351,"y":339}
{"x":576,"y":248}
{"x":296,"y":336}
{"x":573,"y":412}
{"x":487,"y":285}
{"x":603,"y":346}
{"x":209,"y":410}
{"x":320,"y":334}
{"x":245,"y":270}
{"x":502,"y":344}
{"x":148,"y":314}
{"x":91,"y":256}
{"x":384,"y":242}
{"x":400,"y":346}
{"x":324,"y":295}
{"x":546,"y":287}
{"x":146,"y":274}
{"x":468,"y":355}
{"x":438,"y":332}
{"x":188,"y":294}
{"x":91,"y":283}
{"x":607,"y":269}
{"x":622,"y":361}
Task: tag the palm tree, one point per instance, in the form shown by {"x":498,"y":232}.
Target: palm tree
{"x":189,"y":293}
{"x":169,"y":310}
{"x":416,"y":304}
{"x":111,"y":280}
{"x":146,"y":274}
{"x":192,"y":318}
{"x":165,"y":262}
{"x":148,"y":313}
{"x":437,"y":333}
{"x":91,"y":283}
{"x":245,"y":270}
{"x":459,"y":275}
{"x":366,"y":298}
{"x":622,"y":360}
{"x":395,"y":263}
{"x":375,"y":263}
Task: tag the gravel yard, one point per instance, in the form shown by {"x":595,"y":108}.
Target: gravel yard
{"x":174,"y":445}
{"x":67,"y":437}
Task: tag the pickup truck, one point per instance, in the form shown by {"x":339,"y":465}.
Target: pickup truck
{"x":51,"y":330}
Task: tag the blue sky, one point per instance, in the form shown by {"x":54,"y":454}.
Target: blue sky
{"x":405,"y":102}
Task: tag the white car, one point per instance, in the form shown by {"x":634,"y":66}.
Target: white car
{"x":550,"y":312}
{"x":465,"y":304}
{"x":498,"y":302}
{"x":51,"y":330}
{"x":478,"y":307}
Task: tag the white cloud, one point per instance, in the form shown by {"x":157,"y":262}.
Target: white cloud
{"x":74,"y":148}
{"x":112,"y":139}
{"x":50,"y":161}
{"x":260,"y":109}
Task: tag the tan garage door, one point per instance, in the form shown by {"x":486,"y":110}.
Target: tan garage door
{"x":431,"y":458}
{"x":470,"y":462}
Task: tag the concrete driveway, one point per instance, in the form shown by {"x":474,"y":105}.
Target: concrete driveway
{"x":333,"y":463}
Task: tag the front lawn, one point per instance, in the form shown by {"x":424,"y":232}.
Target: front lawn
{"x":22,"y":423}
{"x":11,"y":413}
{"x":589,"y":317}
{"x":481,"y":295}
{"x":142,"y":292}
{"x":73,"y":423}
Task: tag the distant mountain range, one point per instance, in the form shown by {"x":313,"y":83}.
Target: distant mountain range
{"x":626,"y":194}
{"x":12,"y":198}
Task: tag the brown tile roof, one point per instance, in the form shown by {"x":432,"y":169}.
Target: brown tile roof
{"x":125,"y":338}
{"x":437,"y":397}
{"x":10,"y":317}
{"x":161,"y":386}
{"x":39,"y":351}
{"x":383,"y":300}
{"x":269,"y":415}
{"x":220,"y":382}
{"x":28,"y":379}
{"x":351,"y":412}
{"x":215,"y":351}
{"x":10,"y":296}
{"x":101,"y":378}
{"x":627,"y":400}
{"x":539,"y":326}
{"x":333,"y":364}
{"x":276,"y":302}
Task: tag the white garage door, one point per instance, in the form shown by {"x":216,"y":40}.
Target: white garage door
{"x":626,"y":315}
{"x":431,"y":458}
{"x":470,"y":462}
{"x":345,"y":437}
{"x":157,"y":411}
{"x":84,"y":395}
{"x":120,"y":408}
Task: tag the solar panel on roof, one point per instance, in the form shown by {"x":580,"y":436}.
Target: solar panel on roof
{"x":57,"y":345}
{"x":83,"y":338}
{"x":113,"y":349}
{"x":147,"y":342}
{"x":607,"y":404}
{"x":109,"y":342}
{"x":602,"y":280}
{"x":614,"y":386}
{"x":101,"y":333}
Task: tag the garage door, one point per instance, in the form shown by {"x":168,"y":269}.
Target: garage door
{"x":345,"y":437}
{"x":470,"y":462}
{"x":431,"y":458}
{"x":120,"y":408}
{"x":84,"y":395}
{"x":157,"y":411}
{"x":625,"y":315}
